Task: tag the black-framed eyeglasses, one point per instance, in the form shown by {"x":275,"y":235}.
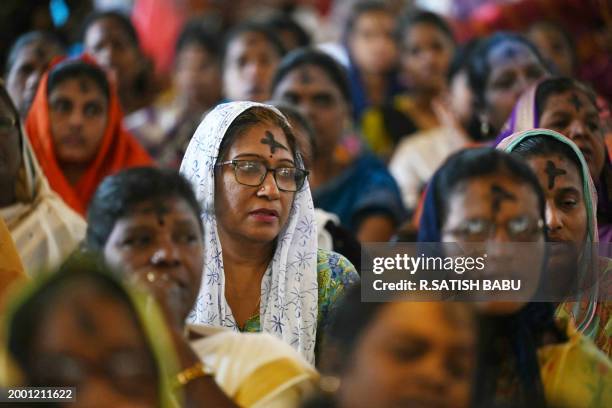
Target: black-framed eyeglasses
{"x":252,"y":173}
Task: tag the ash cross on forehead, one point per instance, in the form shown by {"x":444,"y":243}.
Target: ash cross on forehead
{"x":269,"y":140}
{"x":499,"y":195}
{"x":552,"y":172}
{"x":575,"y":100}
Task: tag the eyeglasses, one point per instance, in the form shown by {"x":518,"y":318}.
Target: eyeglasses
{"x":520,"y":229}
{"x":253,"y":173}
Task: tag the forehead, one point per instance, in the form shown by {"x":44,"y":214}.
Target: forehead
{"x":77,"y":87}
{"x":107,"y":28}
{"x":564,"y":100}
{"x":570,"y":178}
{"x":474,"y":198}
{"x":374,"y":18}
{"x":508,"y":53}
{"x":436,"y":320}
{"x":38,"y":52}
{"x":149,"y":210}
{"x":255,"y":140}
{"x":423,"y":31}
{"x":249,"y":42}
{"x":308,"y":79}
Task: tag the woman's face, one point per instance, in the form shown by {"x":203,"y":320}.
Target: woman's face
{"x":498,"y":210}
{"x":566,"y":217}
{"x":372,"y":44}
{"x":310,"y":89}
{"x":159,"y":244}
{"x":254,"y":214}
{"x":91,"y":340}
{"x":10,"y":155}
{"x":425,"y":57}
{"x":113,"y":49}
{"x":250,"y":62}
{"x":573,"y":114}
{"x":514,"y":67}
{"x":198,"y":76}
{"x":412,"y":355}
{"x":554,"y":47}
{"x":78,"y":111}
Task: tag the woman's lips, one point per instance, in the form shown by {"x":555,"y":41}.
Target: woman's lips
{"x":264,"y":215}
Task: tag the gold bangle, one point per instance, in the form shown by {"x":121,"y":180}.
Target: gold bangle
{"x":191,"y":373}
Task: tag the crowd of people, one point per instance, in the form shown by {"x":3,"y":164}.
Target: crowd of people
{"x":193,"y":238}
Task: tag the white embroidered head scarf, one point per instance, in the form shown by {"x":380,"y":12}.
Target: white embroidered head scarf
{"x":289,"y":288}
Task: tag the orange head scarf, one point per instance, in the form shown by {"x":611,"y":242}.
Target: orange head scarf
{"x":118,"y":149}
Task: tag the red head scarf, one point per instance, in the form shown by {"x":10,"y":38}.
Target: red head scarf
{"x":118,"y":149}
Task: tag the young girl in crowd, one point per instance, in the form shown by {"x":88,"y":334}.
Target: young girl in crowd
{"x":75,"y":129}
{"x":44,"y":228}
{"x":426,"y":45}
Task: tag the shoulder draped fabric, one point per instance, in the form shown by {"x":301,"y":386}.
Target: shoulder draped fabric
{"x":118,"y":149}
{"x":289,"y":288}
{"x":148,"y":314}
{"x":255,"y":369}
{"x":44,"y":228}
{"x":586,"y":311}
{"x":11,"y":269}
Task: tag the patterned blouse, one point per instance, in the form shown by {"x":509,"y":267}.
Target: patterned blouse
{"x":335,"y":273}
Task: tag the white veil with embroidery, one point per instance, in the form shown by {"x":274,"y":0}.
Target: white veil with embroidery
{"x":289,"y":288}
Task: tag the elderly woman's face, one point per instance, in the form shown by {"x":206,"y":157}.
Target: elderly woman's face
{"x":159,"y":245}
{"x":255,"y":214}
{"x":404,"y":361}
{"x":574,"y":115}
{"x":514,"y":67}
{"x":10,"y":156}
{"x":92,"y":340}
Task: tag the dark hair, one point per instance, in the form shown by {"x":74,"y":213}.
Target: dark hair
{"x":26,"y":319}
{"x":254,"y":27}
{"x":50,"y":39}
{"x":422,"y":17}
{"x":345,"y":330}
{"x":195,"y":33}
{"x":470,"y":164}
{"x":251,"y":117}
{"x":551,"y":25}
{"x":123,"y":20}
{"x":478,"y":65}
{"x":460,"y":58}
{"x":282,"y":22}
{"x":310,"y":56}
{"x":293,"y":114}
{"x":543,"y":145}
{"x":73,"y":69}
{"x":557,"y":85}
{"x":117,"y":195}
{"x":361,"y":8}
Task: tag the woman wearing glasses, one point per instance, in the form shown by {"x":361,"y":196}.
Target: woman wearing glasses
{"x":262,"y":270}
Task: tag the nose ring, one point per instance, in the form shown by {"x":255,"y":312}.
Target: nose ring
{"x":158,"y":256}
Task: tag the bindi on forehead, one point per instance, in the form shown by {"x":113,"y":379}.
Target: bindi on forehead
{"x":552,"y":172}
{"x":84,"y":85}
{"x":499,"y":195}
{"x":85,"y":321}
{"x":272,"y":142}
{"x":305,"y":76}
